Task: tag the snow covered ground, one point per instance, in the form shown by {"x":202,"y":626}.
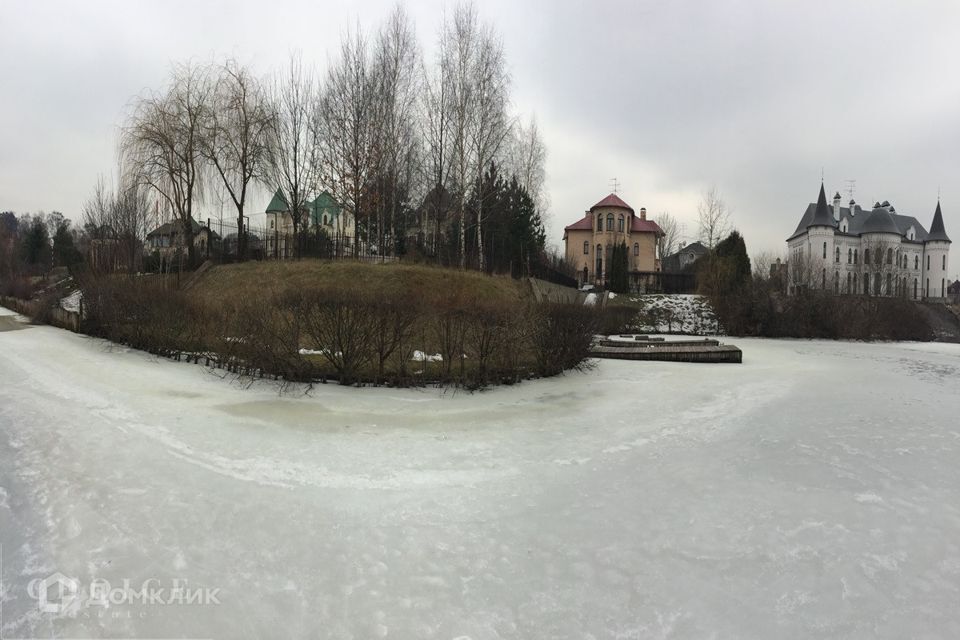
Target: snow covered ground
{"x":812,"y":492}
{"x":681,"y":313}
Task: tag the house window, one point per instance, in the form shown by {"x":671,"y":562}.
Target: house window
{"x":849,"y":256}
{"x":856,"y":284}
{"x":866,"y":256}
{"x":848,"y":281}
{"x":866,"y":282}
{"x":876,"y":284}
{"x":889,"y":256}
{"x":636,"y":249}
{"x":609,"y":222}
{"x":926,"y":290}
{"x":586,"y":247}
{"x":916,"y":263}
{"x":824,"y":250}
{"x":823,"y":280}
{"x":620,"y":224}
{"x":599,"y":223}
{"x":914,"y":288}
{"x":836,"y":282}
{"x":271,"y":224}
{"x":944,"y":262}
{"x":928,"y":269}
{"x":837,"y":256}
{"x":889,"y":283}
{"x":856,"y":257}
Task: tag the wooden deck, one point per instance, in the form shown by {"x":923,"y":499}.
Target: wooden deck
{"x":693,"y":350}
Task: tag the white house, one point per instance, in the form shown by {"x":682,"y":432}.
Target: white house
{"x":873,"y":252}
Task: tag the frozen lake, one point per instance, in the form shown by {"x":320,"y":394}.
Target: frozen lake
{"x":811,"y":492}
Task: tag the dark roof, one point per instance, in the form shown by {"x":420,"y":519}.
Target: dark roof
{"x":821,"y":214}
{"x":954,"y":288}
{"x":880,"y":220}
{"x":937,"y":232}
{"x":862,"y":221}
{"x":173,"y":228}
{"x":671,"y":263}
{"x":612,"y":200}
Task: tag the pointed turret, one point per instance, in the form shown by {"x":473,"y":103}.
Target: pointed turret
{"x":822,"y":216}
{"x":937,"y":232}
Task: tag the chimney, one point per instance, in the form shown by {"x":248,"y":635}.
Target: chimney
{"x":836,"y":206}
{"x":643,"y":213}
{"x":853,"y":207}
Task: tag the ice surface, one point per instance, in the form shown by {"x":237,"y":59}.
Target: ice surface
{"x":812,"y":492}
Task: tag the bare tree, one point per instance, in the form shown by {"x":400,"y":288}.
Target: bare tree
{"x":291,"y":143}
{"x":117,"y":223}
{"x":527,"y":161}
{"x":435,"y":115}
{"x":397,"y":85}
{"x":667,"y":242}
{"x":490,"y":125}
{"x":714,"y":217}
{"x":163,"y":140}
{"x":237,"y":136}
{"x":462,"y":36}
{"x":346,"y":132}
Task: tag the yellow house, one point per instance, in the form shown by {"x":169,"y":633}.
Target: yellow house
{"x":590,"y":241}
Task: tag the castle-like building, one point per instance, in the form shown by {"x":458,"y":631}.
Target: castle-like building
{"x":590,"y":241}
{"x":874,"y":252}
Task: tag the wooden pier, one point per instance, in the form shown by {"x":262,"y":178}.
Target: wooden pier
{"x":644,"y":348}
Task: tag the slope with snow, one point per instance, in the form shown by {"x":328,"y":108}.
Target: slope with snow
{"x":812,"y":492}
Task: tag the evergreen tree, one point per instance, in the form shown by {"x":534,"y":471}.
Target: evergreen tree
{"x":35,"y":243}
{"x":619,"y":280}
{"x":65,"y":253}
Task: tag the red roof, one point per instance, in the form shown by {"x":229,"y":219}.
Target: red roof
{"x":584,"y":224}
{"x":648,"y":226}
{"x":639,"y":226}
{"x":612,"y":200}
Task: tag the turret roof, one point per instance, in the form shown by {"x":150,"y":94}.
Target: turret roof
{"x":937,"y":232}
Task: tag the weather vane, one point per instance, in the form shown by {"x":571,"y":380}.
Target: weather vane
{"x":615,"y":185}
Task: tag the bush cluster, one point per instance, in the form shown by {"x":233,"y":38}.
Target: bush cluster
{"x":331,"y":332}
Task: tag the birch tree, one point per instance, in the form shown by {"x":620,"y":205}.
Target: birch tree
{"x":462,"y":36}
{"x":490,"y":125}
{"x":396,"y":59}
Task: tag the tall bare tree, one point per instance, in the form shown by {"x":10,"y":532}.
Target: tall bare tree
{"x":346,"y":133}
{"x":462,"y":36}
{"x":397,"y":85}
{"x":435,"y":111}
{"x":490,"y":124}
{"x":527,"y":160}
{"x":291,"y":144}
{"x":163,"y":140}
{"x":237,"y":136}
{"x":714,"y":217}
{"x":667,"y":242}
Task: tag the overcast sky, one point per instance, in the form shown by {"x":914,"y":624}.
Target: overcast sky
{"x":668,"y":97}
